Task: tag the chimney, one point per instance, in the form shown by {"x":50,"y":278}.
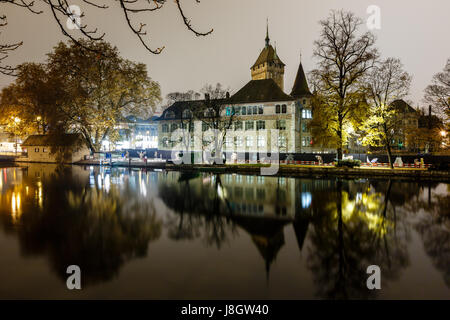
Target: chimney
{"x":429,"y":117}
{"x":228,"y":95}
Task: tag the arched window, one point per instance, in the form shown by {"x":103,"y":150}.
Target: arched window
{"x":187,"y":114}
{"x":170,"y":114}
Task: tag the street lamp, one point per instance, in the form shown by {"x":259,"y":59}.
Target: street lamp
{"x":38,"y":119}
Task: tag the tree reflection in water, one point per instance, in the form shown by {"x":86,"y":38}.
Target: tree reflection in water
{"x":353,"y":230}
{"x":353,"y":227}
{"x":95,"y":229}
{"x":434,"y":228}
{"x":76,"y":216}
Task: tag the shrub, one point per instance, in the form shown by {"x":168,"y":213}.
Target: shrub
{"x":348,"y":163}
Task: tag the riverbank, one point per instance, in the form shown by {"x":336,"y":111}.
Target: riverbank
{"x":319,"y":171}
{"x":290,"y":170}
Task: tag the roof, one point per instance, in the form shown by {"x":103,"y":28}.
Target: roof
{"x":300,"y":87}
{"x":46,"y":140}
{"x":265,"y":90}
{"x":402,"y":106}
{"x":179,"y":106}
{"x":268,"y":54}
{"x":425,"y":121}
{"x":140,"y":120}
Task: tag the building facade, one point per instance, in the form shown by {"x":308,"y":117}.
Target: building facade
{"x":137,"y":133}
{"x":69,"y":148}
{"x":262,"y":117}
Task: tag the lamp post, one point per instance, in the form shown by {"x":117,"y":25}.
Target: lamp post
{"x":38,"y":120}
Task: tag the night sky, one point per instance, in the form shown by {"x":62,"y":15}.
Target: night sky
{"x":415,"y":31}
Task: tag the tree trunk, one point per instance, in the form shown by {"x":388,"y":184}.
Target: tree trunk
{"x":389,"y":153}
{"x":339,"y":133}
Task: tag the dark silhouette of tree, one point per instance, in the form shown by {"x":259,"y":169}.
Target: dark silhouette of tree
{"x":5,"y":51}
{"x":438,"y":92}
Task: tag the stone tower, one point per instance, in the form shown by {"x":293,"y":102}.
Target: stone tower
{"x":268,"y":65}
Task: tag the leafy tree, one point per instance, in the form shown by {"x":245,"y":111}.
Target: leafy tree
{"x":385,"y":82}
{"x":32,"y":98}
{"x":344,"y":56}
{"x":438,"y":92}
{"x":100,"y":89}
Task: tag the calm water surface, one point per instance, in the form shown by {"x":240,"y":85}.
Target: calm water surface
{"x":168,"y":235}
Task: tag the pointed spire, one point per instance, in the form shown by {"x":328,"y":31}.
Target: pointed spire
{"x":300,"y":87}
{"x":267,"y":33}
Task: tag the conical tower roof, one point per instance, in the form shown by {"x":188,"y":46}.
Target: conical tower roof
{"x":300,"y":87}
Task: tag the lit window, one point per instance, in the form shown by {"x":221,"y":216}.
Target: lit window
{"x":228,"y":142}
{"x":281,"y":141}
{"x":249,"y":141}
{"x":261,"y":141}
{"x":238,"y":141}
{"x":306,"y":114}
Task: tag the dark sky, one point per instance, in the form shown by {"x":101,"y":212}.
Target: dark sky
{"x":415,"y":31}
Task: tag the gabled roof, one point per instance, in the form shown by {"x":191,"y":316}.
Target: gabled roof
{"x":300,"y":87}
{"x":402,"y":106}
{"x":265,"y":90}
{"x":268,"y":54}
{"x":64,"y":140}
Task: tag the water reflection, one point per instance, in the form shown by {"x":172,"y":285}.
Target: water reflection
{"x":100,"y":219}
{"x":71,"y":222}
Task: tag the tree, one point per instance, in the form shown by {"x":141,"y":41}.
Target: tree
{"x":344,"y":56}
{"x":6,"y":49}
{"x":182,"y":96}
{"x":214,"y":116}
{"x":32,"y":98}
{"x":100,"y":89}
{"x":61,"y":11}
{"x":438,"y":92}
{"x":385,"y":82}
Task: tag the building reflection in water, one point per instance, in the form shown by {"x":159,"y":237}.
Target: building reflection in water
{"x":101,"y":218}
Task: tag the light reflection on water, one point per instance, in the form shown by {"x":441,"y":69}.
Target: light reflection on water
{"x":163,"y":235}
